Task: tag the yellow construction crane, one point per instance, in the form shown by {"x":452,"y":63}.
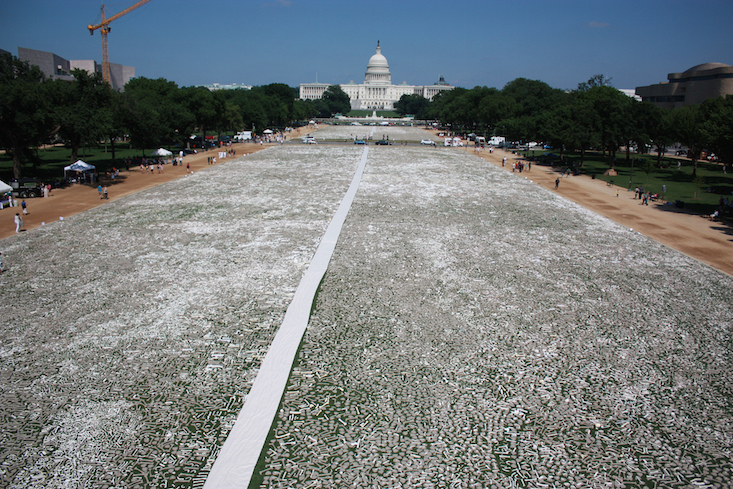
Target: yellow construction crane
{"x":104,"y":25}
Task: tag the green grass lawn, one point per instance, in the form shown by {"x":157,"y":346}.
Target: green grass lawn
{"x":55,"y":158}
{"x":700,"y":195}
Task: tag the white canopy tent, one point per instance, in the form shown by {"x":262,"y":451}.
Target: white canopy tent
{"x":85,"y":171}
{"x":4,"y":189}
{"x":161,"y":152}
{"x":80,"y":166}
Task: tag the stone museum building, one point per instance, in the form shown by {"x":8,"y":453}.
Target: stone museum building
{"x":691,"y":87}
{"x":58,"y":68}
{"x":377,"y":92}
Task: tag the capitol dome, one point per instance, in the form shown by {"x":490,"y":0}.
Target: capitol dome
{"x":377,"y":72}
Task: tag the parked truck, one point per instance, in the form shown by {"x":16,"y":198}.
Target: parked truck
{"x":242,"y":136}
{"x":27,"y":187}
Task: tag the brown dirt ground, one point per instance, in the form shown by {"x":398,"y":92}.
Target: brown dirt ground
{"x":702,"y":239}
{"x":709,"y":241}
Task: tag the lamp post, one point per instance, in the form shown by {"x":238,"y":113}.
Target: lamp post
{"x":631,"y":175}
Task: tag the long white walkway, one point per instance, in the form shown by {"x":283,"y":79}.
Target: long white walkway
{"x":236,"y":462}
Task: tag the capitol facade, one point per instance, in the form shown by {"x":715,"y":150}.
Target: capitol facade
{"x":377,"y":92}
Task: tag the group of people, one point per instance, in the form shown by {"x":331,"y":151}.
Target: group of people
{"x":645,"y":197}
{"x":520,"y":166}
{"x":147,"y":166}
{"x":103,"y":192}
{"x":725,"y":206}
{"x":211,"y":160}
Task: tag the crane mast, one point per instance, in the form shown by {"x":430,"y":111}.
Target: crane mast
{"x":104,"y":31}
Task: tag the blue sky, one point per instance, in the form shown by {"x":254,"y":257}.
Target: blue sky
{"x":469,"y":42}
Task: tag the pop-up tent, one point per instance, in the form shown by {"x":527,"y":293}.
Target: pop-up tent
{"x":161,"y":152}
{"x":4,"y":190}
{"x":80,"y":166}
{"x":84,"y":171}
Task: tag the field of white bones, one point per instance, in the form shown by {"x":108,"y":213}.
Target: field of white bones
{"x":473,"y":330}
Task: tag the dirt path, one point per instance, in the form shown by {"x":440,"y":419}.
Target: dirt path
{"x":694,"y":235}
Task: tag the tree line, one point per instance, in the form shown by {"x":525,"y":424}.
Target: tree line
{"x":594,"y":116}
{"x":35,"y":110}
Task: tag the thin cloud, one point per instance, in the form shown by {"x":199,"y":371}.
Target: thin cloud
{"x":598,"y":25}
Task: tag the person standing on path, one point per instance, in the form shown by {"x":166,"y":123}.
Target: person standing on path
{"x":99,"y":191}
{"x":557,"y":183}
{"x":18,"y":222}
{"x":24,"y":206}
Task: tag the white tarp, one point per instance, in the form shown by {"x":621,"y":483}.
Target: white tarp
{"x":4,"y":187}
{"x":79,"y":166}
{"x":161,"y":152}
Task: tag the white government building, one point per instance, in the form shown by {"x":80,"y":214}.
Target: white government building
{"x":377,"y":91}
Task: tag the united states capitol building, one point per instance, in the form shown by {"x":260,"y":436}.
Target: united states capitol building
{"x":377,"y":92}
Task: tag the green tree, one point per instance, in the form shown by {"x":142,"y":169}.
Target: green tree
{"x":117,"y":127}
{"x":453,"y":108}
{"x":660,"y":131}
{"x":303,"y":110}
{"x":25,"y":115}
{"x":717,"y":129}
{"x":82,"y":109}
{"x":336,"y":100}
{"x":413,"y":104}
{"x":612,"y":108}
{"x":556,"y":125}
{"x":232,"y":117}
{"x":154,"y":113}
{"x":492,"y":107}
{"x":527,"y":99}
{"x":641,"y":120}
{"x":687,"y":123}
{"x":595,"y":81}
{"x":282,"y":97}
{"x":202,"y":105}
{"x":275,"y":101}
{"x":577,"y":124}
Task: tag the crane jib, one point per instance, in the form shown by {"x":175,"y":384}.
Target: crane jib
{"x":104,"y":25}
